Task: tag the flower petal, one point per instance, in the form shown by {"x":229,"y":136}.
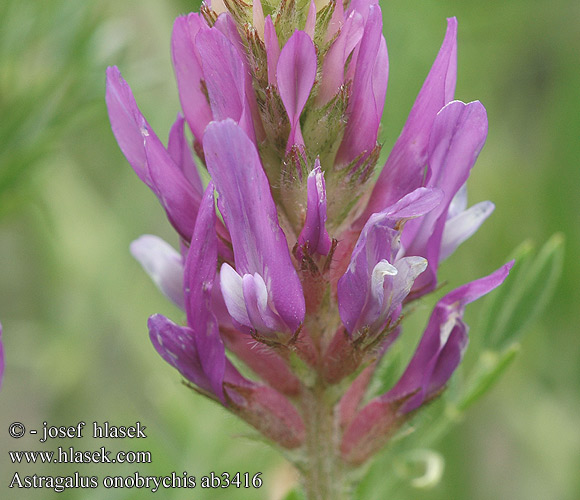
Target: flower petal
{"x":233,"y":294}
{"x":458,"y":203}
{"x":419,"y":202}
{"x":199,"y":277}
{"x":311,"y":20}
{"x":178,"y":345}
{"x":378,"y":245}
{"x":367,"y":100}
{"x":251,"y":119}
{"x":295,"y":75}
{"x":181,"y":154}
{"x":361,"y":6}
{"x":180,"y":200}
{"x":336,"y":21}
{"x":249,"y":211}
{"x":442,"y":345}
{"x":457,"y":136}
{"x":225,"y":77}
{"x":404,"y":168}
{"x":256,"y":298}
{"x":128,"y":124}
{"x":314,"y":231}
{"x":189,"y":73}
{"x":334,"y":62}
{"x":218,"y":6}
{"x":179,"y":150}
{"x":163,"y":264}
{"x":272,"y":49}
{"x":258,"y":17}
{"x":148,"y":157}
{"x":408,"y":270}
{"x":462,"y":226}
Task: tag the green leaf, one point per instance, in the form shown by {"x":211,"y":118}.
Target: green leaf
{"x":524,"y":294}
{"x":490,"y":367}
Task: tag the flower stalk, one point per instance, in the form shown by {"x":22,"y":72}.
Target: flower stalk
{"x":324,"y":473}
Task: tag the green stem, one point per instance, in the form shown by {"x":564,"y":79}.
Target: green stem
{"x":324,"y":474}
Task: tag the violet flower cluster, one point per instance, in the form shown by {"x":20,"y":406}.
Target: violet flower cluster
{"x":305,"y":269}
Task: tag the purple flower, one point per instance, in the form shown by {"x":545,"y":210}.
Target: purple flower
{"x":457,"y":136}
{"x":369,"y":86}
{"x":371,"y":292}
{"x":263,"y":292}
{"x":404,"y":169}
{"x":304,"y":276}
{"x":314,"y":236}
{"x":212,"y":74}
{"x":295,"y":75}
{"x":438,"y":354}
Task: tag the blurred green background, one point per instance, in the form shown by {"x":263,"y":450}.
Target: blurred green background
{"x":74,"y":304}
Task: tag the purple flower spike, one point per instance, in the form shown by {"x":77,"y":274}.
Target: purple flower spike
{"x":377,"y":280}
{"x":148,"y":157}
{"x":189,"y":73}
{"x":295,"y":75}
{"x":366,"y":103}
{"x":269,"y":93}
{"x":267,"y":284}
{"x":403,"y":171}
{"x":314,"y":232}
{"x":442,"y":346}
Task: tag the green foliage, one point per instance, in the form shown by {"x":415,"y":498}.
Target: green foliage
{"x":489,"y":369}
{"x":46,"y":56}
{"x":525,"y":293}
